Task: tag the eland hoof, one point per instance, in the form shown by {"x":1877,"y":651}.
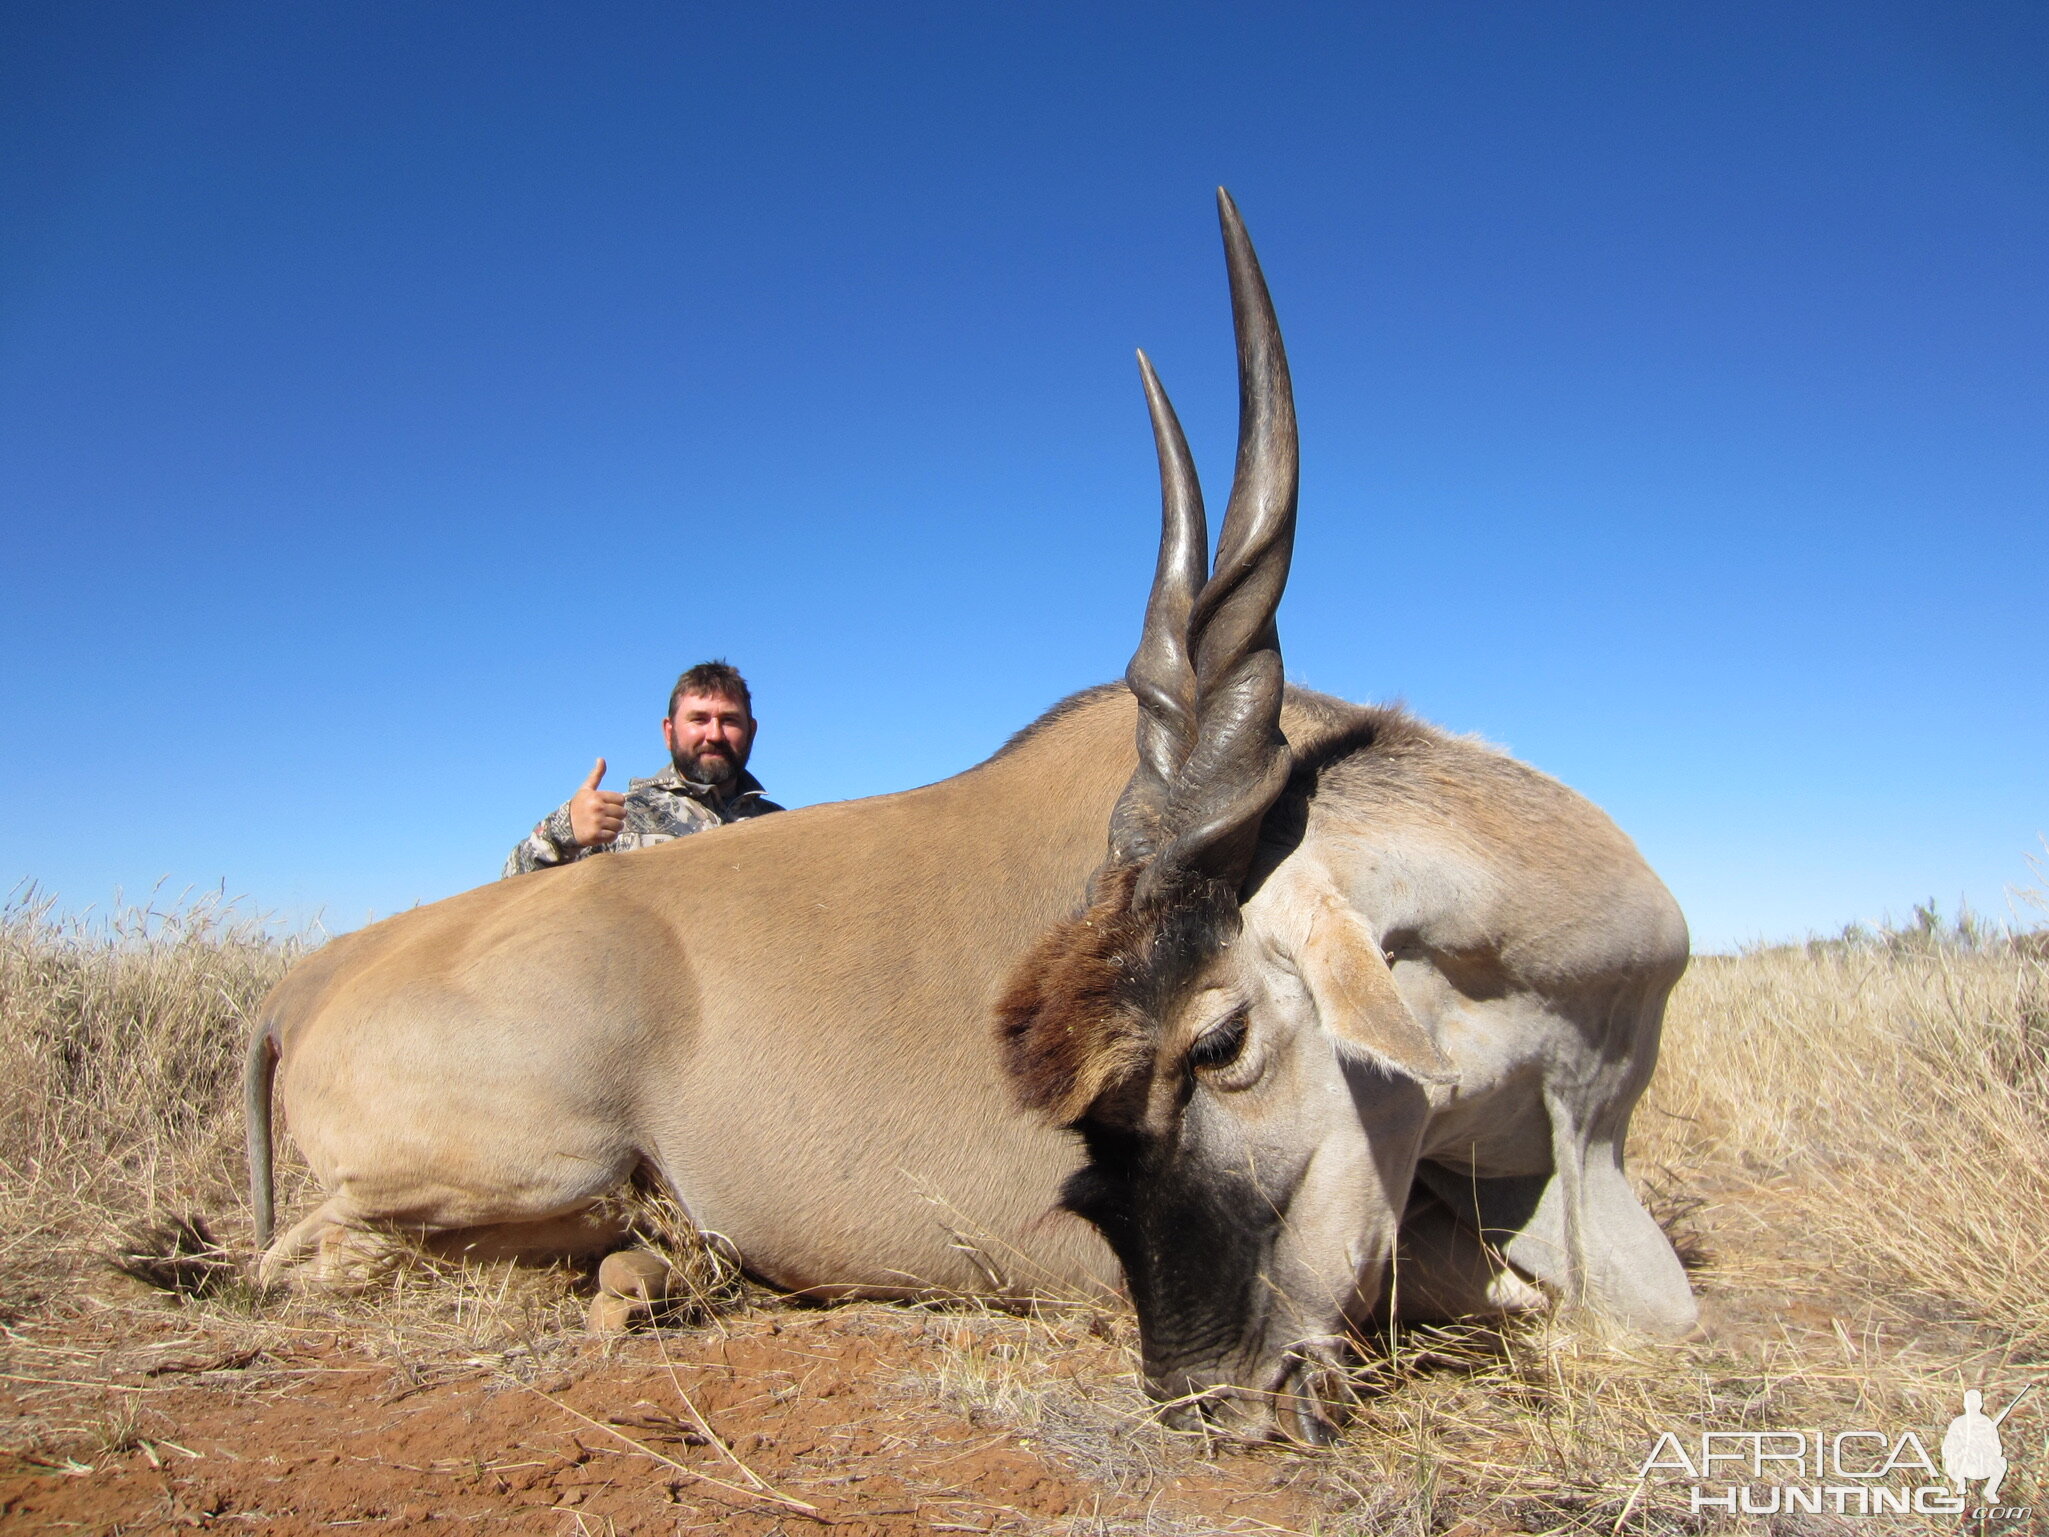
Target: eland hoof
{"x":630,"y":1283}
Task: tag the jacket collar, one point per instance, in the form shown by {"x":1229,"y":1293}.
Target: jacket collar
{"x":671,"y":778}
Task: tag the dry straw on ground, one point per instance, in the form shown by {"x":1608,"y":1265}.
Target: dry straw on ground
{"x":1850,"y":1141}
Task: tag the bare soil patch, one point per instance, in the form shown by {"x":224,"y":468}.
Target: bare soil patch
{"x":133,"y":1415}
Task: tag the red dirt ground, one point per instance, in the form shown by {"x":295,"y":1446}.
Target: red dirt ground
{"x":145,"y":1419}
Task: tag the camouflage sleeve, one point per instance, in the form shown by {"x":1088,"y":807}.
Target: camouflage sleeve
{"x":551,"y":843}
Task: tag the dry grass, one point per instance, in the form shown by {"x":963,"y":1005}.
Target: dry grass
{"x":120,"y":1050}
{"x":1891,"y":1102}
{"x":1850,"y":1139}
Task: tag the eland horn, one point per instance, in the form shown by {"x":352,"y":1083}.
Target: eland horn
{"x":1207,"y":672}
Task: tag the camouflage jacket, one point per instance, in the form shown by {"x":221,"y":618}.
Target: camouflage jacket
{"x":658,"y":808}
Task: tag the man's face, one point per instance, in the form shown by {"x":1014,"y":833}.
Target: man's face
{"x":709,"y":737}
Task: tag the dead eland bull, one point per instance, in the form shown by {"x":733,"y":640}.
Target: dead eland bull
{"x":1336,"y":967}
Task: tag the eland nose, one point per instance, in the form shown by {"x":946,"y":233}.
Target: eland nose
{"x":1307,"y":1405}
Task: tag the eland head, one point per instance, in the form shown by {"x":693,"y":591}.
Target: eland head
{"x":1219,"y":1026}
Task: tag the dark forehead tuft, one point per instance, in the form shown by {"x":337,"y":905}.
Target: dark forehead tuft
{"x":1079,"y":1017}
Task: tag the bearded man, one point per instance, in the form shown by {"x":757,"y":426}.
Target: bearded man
{"x":709,"y":731}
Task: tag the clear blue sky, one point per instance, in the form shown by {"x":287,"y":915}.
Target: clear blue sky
{"x":393,"y":398}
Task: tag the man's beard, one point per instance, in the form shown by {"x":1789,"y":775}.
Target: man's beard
{"x":713,"y":764}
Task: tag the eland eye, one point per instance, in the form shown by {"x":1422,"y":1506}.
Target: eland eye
{"x":1220,"y":1046}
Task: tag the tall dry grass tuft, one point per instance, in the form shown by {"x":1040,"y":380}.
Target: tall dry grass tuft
{"x":120,"y":1053}
{"x":1887,"y":1102}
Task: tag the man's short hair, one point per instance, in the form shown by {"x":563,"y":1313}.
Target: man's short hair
{"x":717,"y":679}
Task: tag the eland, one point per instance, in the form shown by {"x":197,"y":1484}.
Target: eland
{"x":1266,"y":1009}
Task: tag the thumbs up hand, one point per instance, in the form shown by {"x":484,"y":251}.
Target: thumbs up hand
{"x":595,"y":816}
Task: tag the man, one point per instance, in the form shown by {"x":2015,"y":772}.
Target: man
{"x":710,"y":731}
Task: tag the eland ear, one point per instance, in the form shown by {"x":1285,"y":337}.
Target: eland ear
{"x":1355,"y":996}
